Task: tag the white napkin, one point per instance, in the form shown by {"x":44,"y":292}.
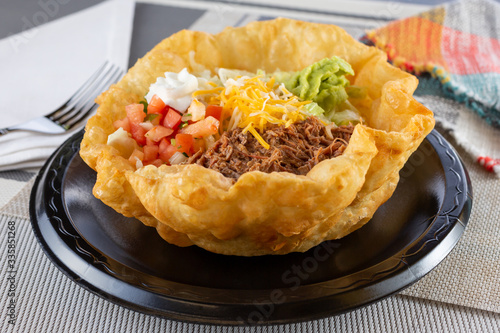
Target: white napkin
{"x":43,"y":66}
{"x":25,"y":150}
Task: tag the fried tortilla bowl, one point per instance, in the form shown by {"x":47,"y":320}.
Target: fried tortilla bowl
{"x":262,"y":213}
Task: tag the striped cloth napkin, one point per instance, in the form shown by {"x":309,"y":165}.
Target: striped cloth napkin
{"x":455,"y":51}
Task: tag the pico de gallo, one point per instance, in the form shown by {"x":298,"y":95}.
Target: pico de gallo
{"x":183,"y":114}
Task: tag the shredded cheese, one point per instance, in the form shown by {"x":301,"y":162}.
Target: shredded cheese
{"x":256,"y":134}
{"x":252,"y":103}
{"x":258,"y":104}
{"x":215,"y":90}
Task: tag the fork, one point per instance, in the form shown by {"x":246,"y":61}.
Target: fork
{"x":76,"y":108}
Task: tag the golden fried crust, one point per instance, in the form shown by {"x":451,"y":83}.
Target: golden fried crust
{"x":262,"y":213}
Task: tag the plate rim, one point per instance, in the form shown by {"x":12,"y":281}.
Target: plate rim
{"x":407,"y":270}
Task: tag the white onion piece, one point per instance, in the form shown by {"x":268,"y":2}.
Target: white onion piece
{"x":186,"y":118}
{"x":177,"y":158}
{"x":209,"y":141}
{"x":146,"y":125}
{"x":138,"y":163}
{"x":328,"y":130}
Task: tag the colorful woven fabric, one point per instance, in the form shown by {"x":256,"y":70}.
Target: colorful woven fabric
{"x":455,"y":51}
{"x":458,"y":43}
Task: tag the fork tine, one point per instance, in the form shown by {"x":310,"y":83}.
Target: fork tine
{"x":85,"y":112}
{"x":89,"y":93}
{"x":82,"y":111}
{"x":79,"y":92}
{"x":75,"y":109}
{"x":109,"y":77}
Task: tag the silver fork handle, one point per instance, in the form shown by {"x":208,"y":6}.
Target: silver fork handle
{"x":37,"y":125}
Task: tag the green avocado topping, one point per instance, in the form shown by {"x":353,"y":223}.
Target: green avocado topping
{"x":325,"y":84}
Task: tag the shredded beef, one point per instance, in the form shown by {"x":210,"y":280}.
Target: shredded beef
{"x":295,"y":149}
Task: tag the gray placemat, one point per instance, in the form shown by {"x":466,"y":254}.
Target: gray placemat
{"x":19,"y":175}
{"x":46,"y":300}
{"x":469,"y":275}
{"x":18,"y":16}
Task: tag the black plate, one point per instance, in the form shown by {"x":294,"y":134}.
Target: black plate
{"x":126,"y":262}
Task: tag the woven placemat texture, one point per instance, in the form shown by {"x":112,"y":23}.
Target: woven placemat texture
{"x":469,"y":275}
{"x":48,"y":301}
{"x":453,"y":297}
{"x":458,"y":43}
{"x":19,"y":205}
{"x":9,"y":189}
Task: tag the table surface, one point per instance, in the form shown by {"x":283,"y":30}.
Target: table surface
{"x":461,"y":294}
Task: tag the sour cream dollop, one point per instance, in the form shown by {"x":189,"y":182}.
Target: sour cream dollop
{"x":175,"y":89}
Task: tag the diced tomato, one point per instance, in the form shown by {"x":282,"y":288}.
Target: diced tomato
{"x":213,"y":111}
{"x":123,"y":123}
{"x":138,"y":133}
{"x":150,"y":152}
{"x":158,"y":132}
{"x":136,"y":154}
{"x":136,"y":115}
{"x":166,"y":150}
{"x":183,"y":142}
{"x":207,"y":126}
{"x":172,"y":119}
{"x":150,"y":142}
{"x":164,"y":143}
{"x":156,"y":105}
